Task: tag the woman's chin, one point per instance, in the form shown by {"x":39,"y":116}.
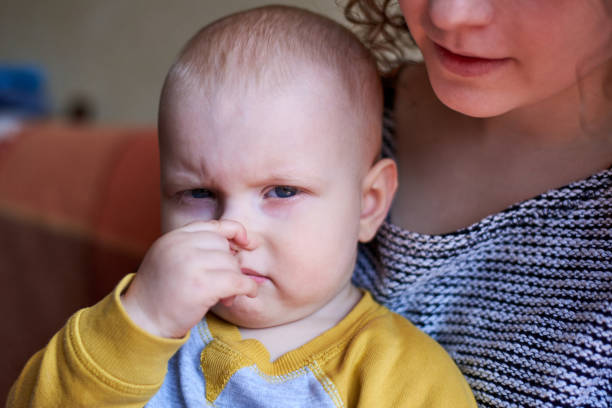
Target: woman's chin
{"x":471,"y":101}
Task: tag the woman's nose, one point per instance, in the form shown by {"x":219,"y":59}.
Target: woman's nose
{"x":455,"y":14}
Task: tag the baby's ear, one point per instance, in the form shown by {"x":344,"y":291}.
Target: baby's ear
{"x":377,"y":193}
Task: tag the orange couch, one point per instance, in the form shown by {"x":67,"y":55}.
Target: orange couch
{"x":79,"y":206}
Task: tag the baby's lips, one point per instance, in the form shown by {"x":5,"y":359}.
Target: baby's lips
{"x":257,"y":277}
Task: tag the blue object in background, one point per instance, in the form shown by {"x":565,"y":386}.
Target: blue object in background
{"x":23,"y":91}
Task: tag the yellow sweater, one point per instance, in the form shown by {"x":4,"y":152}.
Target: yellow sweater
{"x":372,"y":358}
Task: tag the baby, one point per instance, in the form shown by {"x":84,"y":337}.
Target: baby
{"x":270,"y":177}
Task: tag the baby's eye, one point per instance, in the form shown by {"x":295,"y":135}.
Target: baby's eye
{"x":282,"y":192}
{"x":200,"y":193}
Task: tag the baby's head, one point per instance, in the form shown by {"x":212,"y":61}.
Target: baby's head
{"x":272,"y":118}
{"x":267,"y":51}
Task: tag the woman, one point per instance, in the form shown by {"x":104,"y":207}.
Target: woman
{"x":499,"y":243}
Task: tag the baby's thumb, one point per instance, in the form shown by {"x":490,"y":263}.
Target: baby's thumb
{"x":251,"y":287}
{"x":241,"y":285}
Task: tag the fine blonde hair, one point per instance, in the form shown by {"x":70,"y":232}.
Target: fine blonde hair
{"x":268,"y":46}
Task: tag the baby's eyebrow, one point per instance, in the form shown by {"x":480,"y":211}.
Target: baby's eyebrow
{"x":175,"y":179}
{"x":292,"y":176}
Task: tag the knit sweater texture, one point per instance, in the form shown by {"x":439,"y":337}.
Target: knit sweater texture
{"x":522,"y":300}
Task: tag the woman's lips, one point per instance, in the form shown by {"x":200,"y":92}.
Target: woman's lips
{"x":257,"y":277}
{"x":468,"y":66}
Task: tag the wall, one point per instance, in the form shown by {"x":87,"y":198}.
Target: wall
{"x":115,"y":52}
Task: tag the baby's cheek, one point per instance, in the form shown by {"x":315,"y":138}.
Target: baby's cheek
{"x":170,"y":221}
{"x":278,"y":210}
{"x":203,"y":212}
{"x":179,"y":217}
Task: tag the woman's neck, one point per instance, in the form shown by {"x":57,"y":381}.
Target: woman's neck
{"x":582,"y":113}
{"x":455,"y":170}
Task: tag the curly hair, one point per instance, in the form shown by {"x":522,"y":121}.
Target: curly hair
{"x":381,"y":26}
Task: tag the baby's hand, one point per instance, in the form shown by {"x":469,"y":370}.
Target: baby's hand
{"x":185,"y":273}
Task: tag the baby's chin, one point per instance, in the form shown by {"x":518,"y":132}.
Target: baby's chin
{"x":246,"y":312}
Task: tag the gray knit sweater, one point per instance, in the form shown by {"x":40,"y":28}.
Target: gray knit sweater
{"x":522,"y":300}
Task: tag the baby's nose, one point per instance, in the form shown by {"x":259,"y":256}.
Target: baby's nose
{"x":243,"y":215}
{"x":236,"y":210}
{"x":254,"y":242}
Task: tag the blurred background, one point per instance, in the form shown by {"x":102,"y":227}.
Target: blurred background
{"x":79,"y":189}
{"x":111,"y":55}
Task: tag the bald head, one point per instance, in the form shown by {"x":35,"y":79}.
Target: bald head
{"x":266,"y":48}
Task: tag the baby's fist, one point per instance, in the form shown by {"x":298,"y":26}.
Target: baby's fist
{"x":184,"y":274}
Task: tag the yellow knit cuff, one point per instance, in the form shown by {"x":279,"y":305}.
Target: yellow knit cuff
{"x":116,"y":350}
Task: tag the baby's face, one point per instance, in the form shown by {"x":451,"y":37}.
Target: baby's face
{"x":285,"y":166}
